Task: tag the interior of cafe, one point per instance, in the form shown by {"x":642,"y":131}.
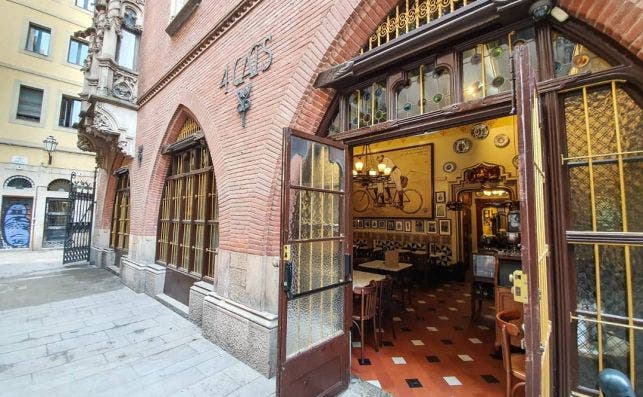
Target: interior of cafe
{"x":436,"y":236}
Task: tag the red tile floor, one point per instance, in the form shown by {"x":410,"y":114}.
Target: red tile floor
{"x":439,"y":351}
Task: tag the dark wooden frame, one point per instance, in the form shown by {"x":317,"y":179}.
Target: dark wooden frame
{"x":398,"y":52}
{"x":122,"y":189}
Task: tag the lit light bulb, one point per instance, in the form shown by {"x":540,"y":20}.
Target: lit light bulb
{"x":354,"y":172}
{"x":387,"y":171}
{"x":359,"y":165}
{"x":372,"y":172}
{"x":487,"y":193}
{"x":381,"y":167}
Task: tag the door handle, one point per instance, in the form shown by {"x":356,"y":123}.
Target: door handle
{"x":288,"y":280}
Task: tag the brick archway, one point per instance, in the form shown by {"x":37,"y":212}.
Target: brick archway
{"x":622,"y":20}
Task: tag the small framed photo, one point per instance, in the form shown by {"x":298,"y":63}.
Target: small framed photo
{"x":441,"y":197}
{"x":486,"y":214}
{"x":419,"y":226}
{"x":407,"y":226}
{"x":381,"y":224}
{"x":399,"y":226}
{"x":440,"y":210}
{"x":432,"y":227}
{"x":390,"y":224}
{"x":373,"y":223}
{"x":445,"y":227}
{"x":513,"y":221}
{"x":367,"y":223}
{"x":360,"y":223}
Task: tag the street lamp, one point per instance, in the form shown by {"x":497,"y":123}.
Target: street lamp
{"x":50,"y":144}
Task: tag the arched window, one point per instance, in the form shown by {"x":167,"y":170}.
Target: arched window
{"x":119,"y":233}
{"x":58,"y":185}
{"x":188,"y":233}
{"x":19,"y":182}
{"x":128,"y":41}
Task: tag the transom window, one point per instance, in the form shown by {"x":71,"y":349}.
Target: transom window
{"x":188,"y":234}
{"x":119,"y":236}
{"x":58,"y":185}
{"x":428,"y":89}
{"x":19,"y":182}
{"x":38,"y":39}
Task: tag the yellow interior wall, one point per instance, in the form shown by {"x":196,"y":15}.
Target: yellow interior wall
{"x":483,"y":150}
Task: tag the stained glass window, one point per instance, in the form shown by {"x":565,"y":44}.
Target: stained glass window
{"x":428,"y":89}
{"x":367,"y":106}
{"x":571,"y":58}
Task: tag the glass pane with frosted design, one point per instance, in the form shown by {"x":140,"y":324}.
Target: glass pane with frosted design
{"x":314,"y":215}
{"x":579,"y":199}
{"x":630,"y":122}
{"x":316,"y":264}
{"x":616,"y":348}
{"x":408,"y":97}
{"x":585,"y":277}
{"x":607,"y":195}
{"x":313,"y":319}
{"x":587,"y":349}
{"x":316,"y":165}
{"x":613,"y":280}
{"x":575,"y":127}
{"x":601,"y":120}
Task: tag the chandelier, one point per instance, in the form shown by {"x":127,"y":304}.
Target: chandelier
{"x":366,"y":171}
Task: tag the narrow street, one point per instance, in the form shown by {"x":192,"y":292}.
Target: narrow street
{"x":77,"y":331}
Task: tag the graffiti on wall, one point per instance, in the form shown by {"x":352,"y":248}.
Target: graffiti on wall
{"x":16,"y":222}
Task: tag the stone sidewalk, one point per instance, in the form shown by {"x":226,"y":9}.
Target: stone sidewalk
{"x":77,"y":331}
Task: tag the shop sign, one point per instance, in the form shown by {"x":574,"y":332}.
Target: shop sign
{"x":256,"y":61}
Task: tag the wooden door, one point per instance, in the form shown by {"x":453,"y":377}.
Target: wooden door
{"x":535,"y":250}
{"x":315,"y":270}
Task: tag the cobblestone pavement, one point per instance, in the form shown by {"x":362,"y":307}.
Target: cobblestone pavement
{"x":77,"y":331}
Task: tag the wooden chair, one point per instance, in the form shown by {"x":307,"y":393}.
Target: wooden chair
{"x":364,"y":310}
{"x":514,"y":363}
{"x":385,"y":304}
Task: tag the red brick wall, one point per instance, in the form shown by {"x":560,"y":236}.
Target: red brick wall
{"x":620,"y":19}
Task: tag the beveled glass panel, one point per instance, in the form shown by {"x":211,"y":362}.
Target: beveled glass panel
{"x":316,"y":264}
{"x":613,"y":281}
{"x":585,"y":277}
{"x":315,"y":165}
{"x":571,"y":58}
{"x":314,"y":215}
{"x":587,"y":349}
{"x":580,"y":200}
{"x":313,"y":319}
{"x":437,"y":89}
{"x":408,"y":97}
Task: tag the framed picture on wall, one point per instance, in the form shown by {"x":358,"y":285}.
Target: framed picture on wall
{"x":381,"y":224}
{"x":445,"y":227}
{"x":407,"y":226}
{"x":367,"y":223}
{"x":432,"y":227}
{"x":419,"y":226}
{"x":399,"y":226}
{"x":360,"y":223}
{"x":373,"y":223}
{"x":440,"y":210}
{"x":390,"y":224}
{"x":441,"y":197}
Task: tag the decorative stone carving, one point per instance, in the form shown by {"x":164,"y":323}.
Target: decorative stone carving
{"x":124,"y":86}
{"x":85,"y":144}
{"x":102,"y":123}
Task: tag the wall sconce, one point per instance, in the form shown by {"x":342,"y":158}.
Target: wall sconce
{"x":50,"y":143}
{"x":139,"y":154}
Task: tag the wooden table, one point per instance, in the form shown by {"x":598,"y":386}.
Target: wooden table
{"x":362,"y":279}
{"x":380,"y":266}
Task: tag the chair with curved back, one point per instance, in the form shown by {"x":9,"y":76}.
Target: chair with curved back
{"x":364,"y":310}
{"x":514,"y":363}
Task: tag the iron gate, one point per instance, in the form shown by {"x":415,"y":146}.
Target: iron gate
{"x":78,"y":234}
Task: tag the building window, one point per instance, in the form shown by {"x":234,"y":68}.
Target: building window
{"x":77,"y":52}
{"x":367,"y":106}
{"x":127,"y":49}
{"x":38,"y":39}
{"x":86,"y":4}
{"x":119,"y":238}
{"x":18,"y":182}
{"x":177,"y":5}
{"x":189,"y":215}
{"x":130,"y":18}
{"x":428,"y":89}
{"x":69,"y":112}
{"x":29,"y":103}
{"x":59,"y":185}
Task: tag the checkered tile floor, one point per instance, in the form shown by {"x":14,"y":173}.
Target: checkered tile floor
{"x":439,"y":350}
